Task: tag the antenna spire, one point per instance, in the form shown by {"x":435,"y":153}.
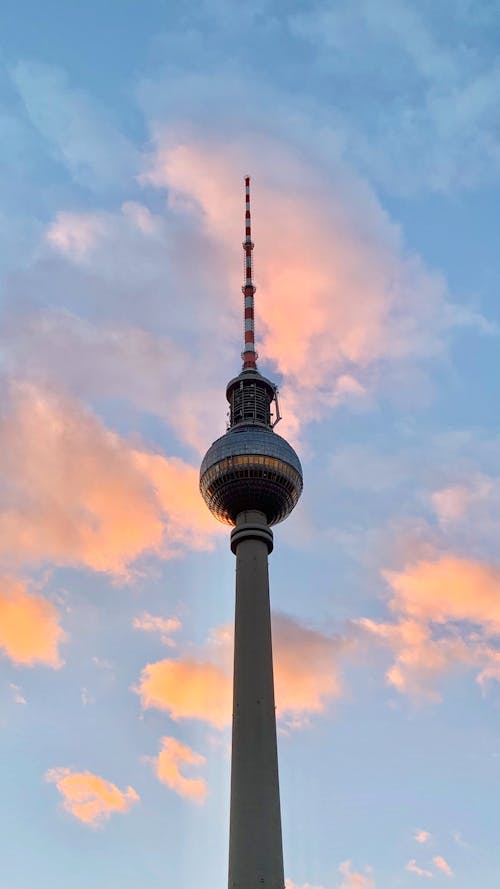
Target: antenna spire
{"x":249,"y":355}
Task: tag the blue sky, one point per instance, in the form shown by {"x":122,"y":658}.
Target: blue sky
{"x":371,"y":133}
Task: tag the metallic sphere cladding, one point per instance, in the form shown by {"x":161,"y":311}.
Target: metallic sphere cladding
{"x":251,"y":467}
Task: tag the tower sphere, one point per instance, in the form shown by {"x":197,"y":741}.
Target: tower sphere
{"x":251,"y":467}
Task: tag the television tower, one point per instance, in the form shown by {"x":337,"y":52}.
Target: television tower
{"x":251,"y":478}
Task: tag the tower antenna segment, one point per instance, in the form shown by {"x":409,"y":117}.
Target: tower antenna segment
{"x":249,"y":355}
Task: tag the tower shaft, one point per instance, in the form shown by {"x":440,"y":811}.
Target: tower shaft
{"x":255,"y":843}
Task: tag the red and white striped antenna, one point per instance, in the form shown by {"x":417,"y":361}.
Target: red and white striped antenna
{"x":249,"y":354}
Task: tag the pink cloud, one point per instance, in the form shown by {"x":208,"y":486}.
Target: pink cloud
{"x":414,"y":868}
{"x":442,"y":865}
{"x":76,"y":234}
{"x":88,"y":797}
{"x":421,"y":836}
{"x":355,"y":879}
{"x":30,"y":630}
{"x":337,"y":292}
{"x":305,"y":667}
{"x":76,"y":493}
{"x":57,"y":348}
{"x":167,"y":765}
{"x":447,"y":617}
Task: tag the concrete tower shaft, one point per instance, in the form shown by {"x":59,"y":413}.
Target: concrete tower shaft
{"x":255,"y":844}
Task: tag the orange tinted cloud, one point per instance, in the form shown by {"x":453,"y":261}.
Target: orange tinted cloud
{"x":306,"y":676}
{"x":188,"y":689}
{"x":419,"y":658}
{"x":447,"y":616}
{"x":90,"y":798}
{"x":73,"y":492}
{"x":355,"y":879}
{"x":306,"y":670}
{"x":167,"y":764}
{"x":442,"y":865}
{"x":30,"y":631}
{"x":448,"y":589}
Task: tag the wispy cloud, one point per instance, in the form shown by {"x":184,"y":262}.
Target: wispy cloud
{"x":154,"y":624}
{"x":421,"y":836}
{"x":413,"y":868}
{"x":429,"y":140}
{"x":442,"y":865}
{"x":351,"y":879}
{"x":355,"y":879}
{"x":78,"y":133}
{"x":17,"y":693}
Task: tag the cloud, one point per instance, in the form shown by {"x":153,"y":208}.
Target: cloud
{"x":355,"y":879}
{"x":351,"y":879}
{"x":421,"y":836}
{"x":88,"y":797}
{"x":414,"y":868}
{"x":78,"y":133}
{"x":305,"y":669}
{"x":371,"y":303}
{"x":154,"y":624}
{"x":30,"y":630}
{"x":75,"y":493}
{"x":442,"y":865}
{"x":157,"y":372}
{"x":167,"y":764}
{"x":333,"y":243}
{"x":17,"y":693}
{"x":459,"y":840}
{"x":448,"y":589}
{"x":452,"y":503}
{"x":188,"y":689}
{"x":409,"y":132}
{"x":75,"y":234}
{"x":447,"y":618}
{"x":419,"y":659}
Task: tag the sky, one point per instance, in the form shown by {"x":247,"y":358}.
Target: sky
{"x":371,"y":132}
